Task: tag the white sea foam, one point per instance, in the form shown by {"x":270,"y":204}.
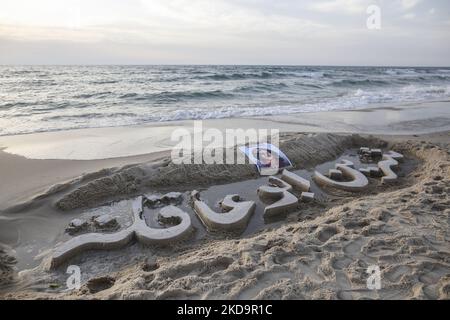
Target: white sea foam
{"x":38,"y":99}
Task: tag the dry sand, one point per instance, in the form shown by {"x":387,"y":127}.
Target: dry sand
{"x":23,"y":178}
{"x":320,"y":252}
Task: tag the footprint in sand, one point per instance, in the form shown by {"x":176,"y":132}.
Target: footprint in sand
{"x":199,"y":268}
{"x":326,"y":232}
{"x":354,"y":247}
{"x":434,"y":275}
{"x":344,"y":285}
{"x":263,"y":281}
{"x":283,"y":258}
{"x":95,"y":285}
{"x":339,"y":263}
{"x":394,"y":274}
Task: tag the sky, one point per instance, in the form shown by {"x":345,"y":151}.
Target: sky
{"x":281,"y":32}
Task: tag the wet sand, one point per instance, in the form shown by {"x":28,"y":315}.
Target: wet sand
{"x":106,"y":143}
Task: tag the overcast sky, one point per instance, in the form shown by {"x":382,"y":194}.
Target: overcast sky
{"x":310,"y":32}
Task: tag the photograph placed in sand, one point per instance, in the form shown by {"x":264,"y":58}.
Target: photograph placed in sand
{"x":267,"y":158}
{"x":332,"y":119}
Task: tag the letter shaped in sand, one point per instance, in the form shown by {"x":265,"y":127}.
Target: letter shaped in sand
{"x":278,"y":190}
{"x":236,"y":216}
{"x":138,"y":230}
{"x":296,"y":181}
{"x":300,"y":184}
{"x":359,"y":181}
{"x":390,"y":160}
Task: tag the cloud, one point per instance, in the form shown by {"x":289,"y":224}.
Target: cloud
{"x":36,"y":34}
{"x":347,"y":6}
{"x":409,"y":4}
{"x":409,"y":16}
{"x":223,"y":17}
{"x":219,"y":31}
{"x":162,"y":21}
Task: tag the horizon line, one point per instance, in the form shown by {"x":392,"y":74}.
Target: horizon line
{"x":219,"y":64}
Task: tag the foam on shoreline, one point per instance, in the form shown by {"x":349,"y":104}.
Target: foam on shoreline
{"x":113,"y":142}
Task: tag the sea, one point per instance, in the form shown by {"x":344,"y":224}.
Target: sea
{"x":50,"y":98}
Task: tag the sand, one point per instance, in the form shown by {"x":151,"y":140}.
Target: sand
{"x":23,"y":178}
{"x":318,"y":253}
{"x":321,"y":251}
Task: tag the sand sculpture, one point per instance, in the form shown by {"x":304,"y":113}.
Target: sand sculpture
{"x":369,"y":155}
{"x":236,"y":212}
{"x":307,"y":197}
{"x":154,"y":201}
{"x":372,"y":172}
{"x":236,"y":216}
{"x":358,"y":180}
{"x":296,"y":181}
{"x":299,"y":184}
{"x":385,"y":167}
{"x":138,"y":230}
{"x":390,"y":161}
{"x":278,"y":190}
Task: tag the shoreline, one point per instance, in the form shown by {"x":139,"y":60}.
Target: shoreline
{"x":140,"y":140}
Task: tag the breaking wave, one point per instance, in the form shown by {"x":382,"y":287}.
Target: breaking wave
{"x":35,"y":99}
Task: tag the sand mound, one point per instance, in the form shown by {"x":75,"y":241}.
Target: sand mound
{"x":321,"y":254}
{"x":303,"y":150}
{"x":7,"y":262}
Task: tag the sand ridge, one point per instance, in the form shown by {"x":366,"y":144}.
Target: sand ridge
{"x":303,"y":150}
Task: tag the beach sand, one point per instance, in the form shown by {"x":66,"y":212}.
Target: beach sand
{"x":321,"y":251}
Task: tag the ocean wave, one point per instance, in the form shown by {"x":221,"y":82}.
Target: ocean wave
{"x":128,"y":95}
{"x":309,"y":85}
{"x":401,"y":71}
{"x":260,"y":87}
{"x":104,"y":82}
{"x":56,"y":98}
{"x":245,"y":76}
{"x":10,"y":105}
{"x":430,"y":90}
{"x":68,"y":117}
{"x":173,"y":96}
{"x":92,"y":95}
{"x":364,"y":82}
